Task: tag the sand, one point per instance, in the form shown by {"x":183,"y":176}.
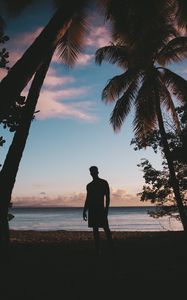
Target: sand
{"x":64,"y":265}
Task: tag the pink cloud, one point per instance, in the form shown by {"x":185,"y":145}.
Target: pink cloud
{"x":19,"y":43}
{"x":119,"y":198}
{"x":123,"y":197}
{"x":53,"y":102}
{"x":51,"y":106}
{"x":14,"y":56}
{"x":3,"y":73}
{"x":54,"y":80}
{"x":83,"y":59}
{"x":25,"y":39}
{"x":64,"y":94}
{"x":74,"y":199}
{"x":98,"y":37}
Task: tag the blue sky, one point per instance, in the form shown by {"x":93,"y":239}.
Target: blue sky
{"x":72,"y":131}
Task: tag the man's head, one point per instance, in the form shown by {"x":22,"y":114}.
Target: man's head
{"x":94,"y":171}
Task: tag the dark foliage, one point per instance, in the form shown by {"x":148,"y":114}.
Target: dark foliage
{"x":4,"y":55}
{"x":158,"y":185}
{"x":3,"y":58}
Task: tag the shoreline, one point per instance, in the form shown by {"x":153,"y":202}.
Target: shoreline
{"x":62,"y":236}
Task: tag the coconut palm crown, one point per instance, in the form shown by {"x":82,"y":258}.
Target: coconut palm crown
{"x":148,"y":86}
{"x":144,"y":82}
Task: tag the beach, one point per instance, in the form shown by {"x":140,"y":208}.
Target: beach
{"x":64,"y":265}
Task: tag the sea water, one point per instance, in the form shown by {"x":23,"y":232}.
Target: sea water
{"x":70,"y":218}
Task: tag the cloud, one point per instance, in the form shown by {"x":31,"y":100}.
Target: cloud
{"x":25,"y":39}
{"x":19,"y":43}
{"x":17,"y":46}
{"x":57,"y":102}
{"x":14,"y":56}
{"x":54,"y":80}
{"x":119,"y":197}
{"x":122,"y":197}
{"x":43,"y":200}
{"x":3,"y":73}
{"x":54,"y":100}
{"x":83,"y":59}
{"x":51,"y":104}
{"x":65,"y":93}
{"x":98,"y":37}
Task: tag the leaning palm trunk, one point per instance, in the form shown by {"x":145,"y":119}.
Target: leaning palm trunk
{"x":173,"y":178}
{"x":23,"y":70}
{"x":14,"y":155}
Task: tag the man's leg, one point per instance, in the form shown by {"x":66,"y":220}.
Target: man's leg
{"x":96,"y":238}
{"x":108,"y":235}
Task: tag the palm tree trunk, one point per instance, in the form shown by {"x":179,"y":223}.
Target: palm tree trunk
{"x":21,"y":73}
{"x":173,"y":178}
{"x":14,"y":155}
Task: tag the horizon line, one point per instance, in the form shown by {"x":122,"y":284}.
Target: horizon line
{"x":65,"y":206}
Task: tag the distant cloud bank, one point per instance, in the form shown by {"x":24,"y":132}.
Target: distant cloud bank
{"x":119,"y":197}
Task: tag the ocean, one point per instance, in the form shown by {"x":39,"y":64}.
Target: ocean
{"x":70,"y":218}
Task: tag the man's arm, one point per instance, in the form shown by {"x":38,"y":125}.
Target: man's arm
{"x":85,"y":207}
{"x":107,"y":197}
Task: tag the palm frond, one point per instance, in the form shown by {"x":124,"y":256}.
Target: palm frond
{"x":117,"y":85}
{"x":176,"y":84}
{"x":114,"y":54}
{"x":138,"y":21}
{"x":182,"y":13}
{"x":71,"y":45}
{"x":174,"y":51}
{"x":145,"y":116}
{"x":123,"y":106}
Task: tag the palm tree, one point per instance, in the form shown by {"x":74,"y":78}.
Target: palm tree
{"x":148,"y":85}
{"x":69,"y":41}
{"x":10,"y":167}
{"x":70,"y":47}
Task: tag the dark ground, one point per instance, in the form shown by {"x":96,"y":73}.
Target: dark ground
{"x":64,"y":265}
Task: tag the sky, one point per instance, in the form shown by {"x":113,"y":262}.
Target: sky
{"x":71,"y":131}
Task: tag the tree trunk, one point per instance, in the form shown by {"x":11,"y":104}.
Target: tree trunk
{"x":14,"y":155}
{"x":173,"y":178}
{"x":21,"y":73}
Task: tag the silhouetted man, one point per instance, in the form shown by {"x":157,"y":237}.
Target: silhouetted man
{"x":97,"y":203}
